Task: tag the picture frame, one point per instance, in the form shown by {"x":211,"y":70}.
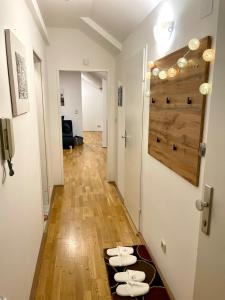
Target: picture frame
{"x":120,"y":96}
{"x":16,"y":59}
{"x":62,"y":98}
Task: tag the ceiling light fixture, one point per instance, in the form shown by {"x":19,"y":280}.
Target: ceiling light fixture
{"x":164,"y":27}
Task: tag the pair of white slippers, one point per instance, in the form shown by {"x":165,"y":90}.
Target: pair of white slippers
{"x":121,"y":256}
{"x":134,"y":286}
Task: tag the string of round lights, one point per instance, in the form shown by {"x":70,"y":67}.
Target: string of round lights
{"x":193,"y":45}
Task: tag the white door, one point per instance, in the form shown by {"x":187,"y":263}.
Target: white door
{"x":41,"y":131}
{"x":133,"y":93}
{"x":210,"y":272}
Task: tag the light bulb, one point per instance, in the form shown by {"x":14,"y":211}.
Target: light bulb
{"x":172,"y":72}
{"x":205,"y":88}
{"x":193,"y":44}
{"x":209,"y":55}
{"x":155,"y":71}
{"x":163,"y":74}
{"x":148,"y":75}
{"x":151,"y":64}
{"x":182,"y":62}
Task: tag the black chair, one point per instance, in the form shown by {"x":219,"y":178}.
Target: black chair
{"x":67,"y":134}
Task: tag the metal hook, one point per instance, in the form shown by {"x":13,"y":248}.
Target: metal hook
{"x":174,"y":147}
{"x":189,"y":100}
{"x":167,"y":100}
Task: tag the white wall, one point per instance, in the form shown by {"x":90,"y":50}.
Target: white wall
{"x":168,"y":201}
{"x":68,"y":48}
{"x":20,"y":196}
{"x":92,"y":105}
{"x":70,"y":85}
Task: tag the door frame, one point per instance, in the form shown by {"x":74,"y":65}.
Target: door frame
{"x":37,"y":60}
{"x":145,"y":82}
{"x":59,"y":123}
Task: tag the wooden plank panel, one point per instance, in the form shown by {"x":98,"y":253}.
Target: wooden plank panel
{"x":176,"y":123}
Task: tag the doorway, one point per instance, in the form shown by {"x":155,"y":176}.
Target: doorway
{"x":83,"y":108}
{"x":41,"y":133}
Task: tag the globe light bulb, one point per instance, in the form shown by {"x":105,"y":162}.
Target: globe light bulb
{"x":163,"y":74}
{"x":182,"y":62}
{"x":209,"y":55}
{"x":193,"y":44}
{"x":151,"y":64}
{"x":205,"y":88}
{"x":148,"y":75}
{"x":155,"y":71}
{"x":172,"y":72}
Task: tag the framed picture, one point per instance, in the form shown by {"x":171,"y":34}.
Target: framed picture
{"x":16,"y":58}
{"x":62,"y":98}
{"x":120,"y":96}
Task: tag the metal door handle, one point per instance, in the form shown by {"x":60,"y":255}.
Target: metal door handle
{"x":205,"y":206}
{"x":125,"y":138}
{"x":200,"y":205}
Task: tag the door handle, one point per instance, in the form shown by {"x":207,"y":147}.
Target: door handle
{"x":200,"y":205}
{"x":125,"y":138}
{"x":205,"y":206}
{"x":125,"y":135}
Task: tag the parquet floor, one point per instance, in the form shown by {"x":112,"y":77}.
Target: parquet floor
{"x":87,"y":216}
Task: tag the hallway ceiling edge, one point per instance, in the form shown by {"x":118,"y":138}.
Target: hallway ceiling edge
{"x":112,"y":19}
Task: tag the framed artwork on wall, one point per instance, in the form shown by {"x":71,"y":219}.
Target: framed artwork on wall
{"x":120,"y":96}
{"x":16,"y":59}
{"x":62,"y":98}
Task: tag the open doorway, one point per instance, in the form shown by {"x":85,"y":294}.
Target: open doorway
{"x":83,"y":109}
{"x":42,"y":135}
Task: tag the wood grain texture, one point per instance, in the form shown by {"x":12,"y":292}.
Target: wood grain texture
{"x":87,"y":216}
{"x":176,"y":123}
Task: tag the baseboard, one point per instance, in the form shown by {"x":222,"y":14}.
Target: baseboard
{"x":138,"y":233}
{"x":40,"y":254}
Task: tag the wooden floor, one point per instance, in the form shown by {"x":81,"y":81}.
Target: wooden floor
{"x":87,"y":216}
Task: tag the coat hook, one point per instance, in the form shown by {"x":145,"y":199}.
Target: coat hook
{"x":158,"y":140}
{"x":189,"y":100}
{"x":167,"y":100}
{"x":174,"y":147}
{"x":153,"y":100}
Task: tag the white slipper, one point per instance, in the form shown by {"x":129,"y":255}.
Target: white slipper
{"x":129,"y":275}
{"x":120,"y":251}
{"x":132,"y":289}
{"x":122,"y":260}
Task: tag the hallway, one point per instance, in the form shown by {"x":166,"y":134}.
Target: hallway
{"x":87,"y":216}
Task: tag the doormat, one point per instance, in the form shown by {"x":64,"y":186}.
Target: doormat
{"x":144,"y":263}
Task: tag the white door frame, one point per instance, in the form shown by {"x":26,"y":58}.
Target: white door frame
{"x":59,"y":127}
{"x":144,"y":89}
{"x":43,"y":108}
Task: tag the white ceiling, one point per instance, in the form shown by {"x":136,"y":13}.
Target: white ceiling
{"x":117,"y":17}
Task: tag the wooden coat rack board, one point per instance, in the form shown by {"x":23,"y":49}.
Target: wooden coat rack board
{"x":176,"y":115}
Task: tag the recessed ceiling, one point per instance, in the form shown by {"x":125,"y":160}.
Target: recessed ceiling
{"x":118,"y":17}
